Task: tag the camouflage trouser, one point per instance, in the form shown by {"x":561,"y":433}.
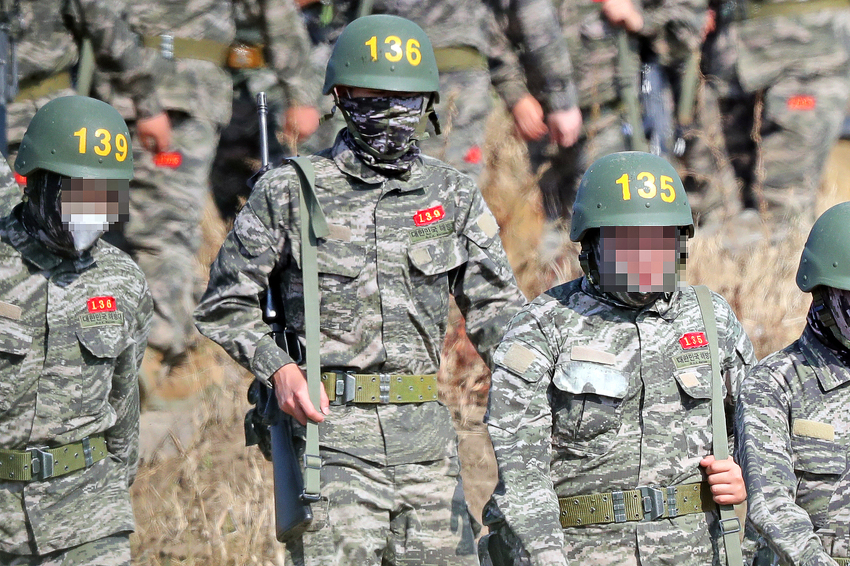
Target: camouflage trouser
{"x":800,"y":123}
{"x":409,"y":514}
{"x":164,"y":233}
{"x":561,"y":168}
{"x":113,"y":550}
{"x":463,"y":113}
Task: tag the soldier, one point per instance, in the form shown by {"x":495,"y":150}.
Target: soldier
{"x":781,"y":73}
{"x":48,"y":36}
{"x":472,"y":53}
{"x":272,"y":55}
{"x":602,"y":389}
{"x":792,"y":416}
{"x":406,"y":231}
{"x":170,"y":188}
{"x":75,"y":317}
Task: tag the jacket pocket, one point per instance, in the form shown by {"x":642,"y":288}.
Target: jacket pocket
{"x":340,"y":265}
{"x":431,"y":263}
{"x":99,"y":348}
{"x":587,"y":406}
{"x":695,"y":391}
{"x":815,"y":456}
{"x":15,"y":344}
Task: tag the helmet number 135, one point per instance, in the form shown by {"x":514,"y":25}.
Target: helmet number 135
{"x":648,"y":190}
{"x":395,"y":53}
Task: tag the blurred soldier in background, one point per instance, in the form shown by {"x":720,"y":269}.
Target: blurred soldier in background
{"x":75,"y":316}
{"x":271,"y":54}
{"x":472,"y":52}
{"x":49,"y":38}
{"x":193,"y":38}
{"x":792,"y":420}
{"x":781,"y":71}
{"x":405,"y":232}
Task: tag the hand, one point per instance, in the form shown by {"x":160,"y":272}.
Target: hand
{"x":564,"y":126}
{"x":726,"y":480}
{"x":528,"y":118}
{"x":299,"y":123}
{"x":622,"y":13}
{"x":710,"y":23}
{"x":155,"y":132}
{"x":293,"y":398}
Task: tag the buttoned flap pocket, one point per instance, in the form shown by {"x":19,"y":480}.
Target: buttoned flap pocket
{"x":694,"y":385}
{"x":818,"y":456}
{"x":695,"y":382}
{"x":106,"y":341}
{"x":484,"y":230}
{"x":588,"y":404}
{"x":15,"y":338}
{"x":433,"y":257}
{"x":345,"y":260}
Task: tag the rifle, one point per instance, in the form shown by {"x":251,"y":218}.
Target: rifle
{"x":266,"y":424}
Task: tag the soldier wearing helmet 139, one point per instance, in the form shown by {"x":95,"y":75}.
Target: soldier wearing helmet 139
{"x":74,"y":317}
{"x":603,"y":385}
{"x":406,"y":231}
{"x":792,"y":418}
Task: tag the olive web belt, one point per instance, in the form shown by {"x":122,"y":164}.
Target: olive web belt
{"x":756,"y":10}
{"x":345,"y":387}
{"x":171,"y":47}
{"x":641,"y":504}
{"x":36,"y":464}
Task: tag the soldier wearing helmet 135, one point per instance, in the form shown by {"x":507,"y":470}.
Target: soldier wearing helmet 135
{"x":792,"y":420}
{"x":405,"y":232}
{"x":74,"y":317}
{"x":603,"y":386}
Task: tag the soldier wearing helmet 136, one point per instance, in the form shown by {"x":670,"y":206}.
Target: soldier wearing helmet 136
{"x":792,"y":421}
{"x":405,"y":232}
{"x":603,"y":386}
{"x":74,"y":317}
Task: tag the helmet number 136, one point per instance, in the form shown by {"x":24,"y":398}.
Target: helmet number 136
{"x":395,"y":53}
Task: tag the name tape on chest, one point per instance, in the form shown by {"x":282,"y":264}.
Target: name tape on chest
{"x":102,"y":319}
{"x":691,"y":359}
{"x":10,"y":311}
{"x":431,"y":232}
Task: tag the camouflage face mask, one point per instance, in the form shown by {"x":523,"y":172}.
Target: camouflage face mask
{"x":382,"y":129}
{"x":838,"y":302}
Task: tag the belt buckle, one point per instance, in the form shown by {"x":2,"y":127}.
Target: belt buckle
{"x":652,"y":499}
{"x":344,"y":387}
{"x":166,"y":46}
{"x":41,"y":465}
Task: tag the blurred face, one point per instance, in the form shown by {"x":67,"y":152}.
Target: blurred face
{"x":639,"y":259}
{"x":90,"y":206}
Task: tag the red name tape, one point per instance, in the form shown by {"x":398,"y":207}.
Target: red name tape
{"x":102,"y":304}
{"x":170,"y":159}
{"x":429,"y":215}
{"x":693,"y":340}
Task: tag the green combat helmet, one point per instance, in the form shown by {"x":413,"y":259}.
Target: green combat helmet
{"x":630,"y":188}
{"x":384,"y":52}
{"x":78,"y":137}
{"x":826,"y":256}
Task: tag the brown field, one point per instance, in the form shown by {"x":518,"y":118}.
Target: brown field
{"x":212,"y":502}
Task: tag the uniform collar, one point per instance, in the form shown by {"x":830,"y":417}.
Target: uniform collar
{"x":36,"y":253}
{"x":663,"y":306}
{"x":348,"y":162}
{"x":828,"y":368}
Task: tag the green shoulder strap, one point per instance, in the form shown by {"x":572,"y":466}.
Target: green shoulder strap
{"x":730,"y":525}
{"x":313,"y":226}
{"x":628,"y":70}
{"x":365,"y":8}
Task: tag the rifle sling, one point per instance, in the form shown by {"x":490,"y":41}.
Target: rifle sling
{"x":313,"y":226}
{"x":730,"y":525}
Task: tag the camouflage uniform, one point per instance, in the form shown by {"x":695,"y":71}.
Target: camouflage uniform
{"x":390,"y":282}
{"x":68,"y":373}
{"x":166,"y":198}
{"x":797,"y":65}
{"x":472,"y":52}
{"x":590,"y":396}
{"x":276,"y":30}
{"x":47,"y":49}
{"x":793,"y":435}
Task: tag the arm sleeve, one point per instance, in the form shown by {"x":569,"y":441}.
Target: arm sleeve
{"x":230,"y":312}
{"x":122,"y":439}
{"x":762,"y":420}
{"x":532,"y":26}
{"x":520,"y":425}
{"x":288,"y":47}
{"x":506,"y":74}
{"x":484,"y":287}
{"x":118,"y":49}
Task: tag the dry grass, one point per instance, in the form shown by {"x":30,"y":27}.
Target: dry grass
{"x":213,"y":504}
